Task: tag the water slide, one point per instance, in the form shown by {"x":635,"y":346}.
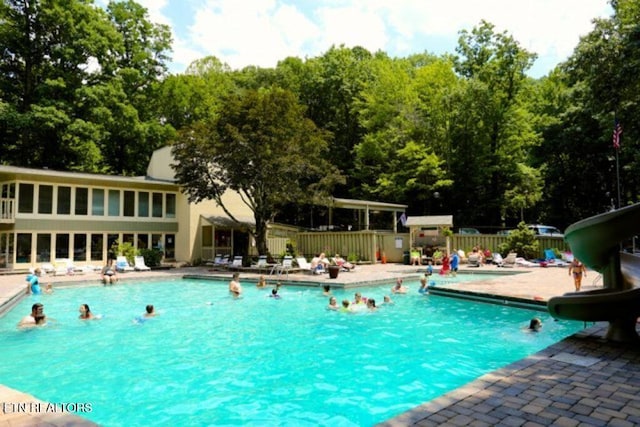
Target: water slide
{"x":596,"y":242}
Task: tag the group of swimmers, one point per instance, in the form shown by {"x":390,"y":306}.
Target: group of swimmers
{"x":37,"y":317}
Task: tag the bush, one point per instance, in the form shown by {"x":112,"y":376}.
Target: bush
{"x":522,"y":241}
{"x":126,"y":249}
{"x":152,"y":257}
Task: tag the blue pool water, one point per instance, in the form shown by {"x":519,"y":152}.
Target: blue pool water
{"x":208,"y":359}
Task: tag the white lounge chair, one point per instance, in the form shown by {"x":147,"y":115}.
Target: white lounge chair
{"x":122,"y":265}
{"x":304,"y":264}
{"x":509,"y":261}
{"x":139,"y":265}
{"x":473,"y":260}
{"x":285,"y":267}
{"x":236,"y":263}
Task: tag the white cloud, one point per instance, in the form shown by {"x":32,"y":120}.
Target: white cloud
{"x":262,"y":32}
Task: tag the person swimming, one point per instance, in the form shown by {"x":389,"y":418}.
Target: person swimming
{"x":274,"y":293}
{"x":85,"y":312}
{"x":535,"y":325}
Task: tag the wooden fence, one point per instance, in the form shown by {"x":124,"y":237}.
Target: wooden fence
{"x":368,"y":245}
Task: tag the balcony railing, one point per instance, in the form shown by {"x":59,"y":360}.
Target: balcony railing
{"x":7,"y":210}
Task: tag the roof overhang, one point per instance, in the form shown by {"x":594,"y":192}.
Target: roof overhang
{"x":367,"y":204}
{"x":430,"y":221}
{"x":226,"y":222}
{"x":54,"y":176}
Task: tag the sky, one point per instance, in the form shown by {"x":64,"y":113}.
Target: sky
{"x":263,"y":32}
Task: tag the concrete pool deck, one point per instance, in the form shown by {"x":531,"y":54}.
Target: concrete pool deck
{"x":581,"y":380}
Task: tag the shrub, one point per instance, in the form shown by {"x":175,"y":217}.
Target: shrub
{"x":152,"y":257}
{"x":522,"y":241}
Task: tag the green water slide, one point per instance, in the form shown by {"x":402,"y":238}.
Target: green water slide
{"x":596,"y":242}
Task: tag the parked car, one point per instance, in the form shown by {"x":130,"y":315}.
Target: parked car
{"x":545,"y":230}
{"x":467,"y":230}
{"x":504,"y":232}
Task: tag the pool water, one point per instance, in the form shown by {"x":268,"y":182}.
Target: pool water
{"x":209,"y":359}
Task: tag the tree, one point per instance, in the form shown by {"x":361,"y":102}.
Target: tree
{"x":264,"y":148}
{"x":47,"y":46}
{"x":494,"y":128}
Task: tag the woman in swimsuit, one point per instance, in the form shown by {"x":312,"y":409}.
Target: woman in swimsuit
{"x":578,"y":270}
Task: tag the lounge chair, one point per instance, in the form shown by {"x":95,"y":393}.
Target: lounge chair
{"x":139,"y":265}
{"x":497,"y":259}
{"x":285,"y":267}
{"x":122,"y":265}
{"x":236,"y":264}
{"x":552,"y":261}
{"x":473,"y":260}
{"x":525,"y":263}
{"x":215,"y":261}
{"x":509,"y":261}
{"x":61,"y":267}
{"x":304,"y":265}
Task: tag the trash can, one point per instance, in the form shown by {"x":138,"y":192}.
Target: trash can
{"x":405,"y":258}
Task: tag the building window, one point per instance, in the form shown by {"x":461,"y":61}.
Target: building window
{"x":129,"y":203}
{"x":25,"y":198}
{"x":97,"y":249}
{"x":127,"y":238}
{"x":43,"y":248}
{"x":82,"y":201}
{"x":97,"y":202}
{"x":114,"y":202}
{"x":143,"y":241}
{"x":157,"y":205}
{"x":62,"y":246}
{"x":207,"y":236}
{"x":23,"y":247}
{"x":112,"y":241}
{"x":45,"y":199}
{"x":143,"y":204}
{"x":79,"y":247}
{"x":156,"y":242}
{"x":64,"y":201}
{"x":171,"y":206}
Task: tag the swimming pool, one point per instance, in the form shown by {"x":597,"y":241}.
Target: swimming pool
{"x":258,"y":361}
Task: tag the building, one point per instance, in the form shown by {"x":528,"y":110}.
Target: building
{"x":48,"y":215}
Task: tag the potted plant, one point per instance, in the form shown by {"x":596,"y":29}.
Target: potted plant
{"x":334,"y":269}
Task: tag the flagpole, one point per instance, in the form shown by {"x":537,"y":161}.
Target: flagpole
{"x":618,"y":176}
{"x":617,"y":131}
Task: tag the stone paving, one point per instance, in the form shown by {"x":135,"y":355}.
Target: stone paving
{"x":581,"y":381}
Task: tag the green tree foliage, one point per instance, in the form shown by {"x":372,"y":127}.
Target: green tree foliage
{"x":399,"y":157}
{"x":264,"y":148}
{"x":491,"y":134}
{"x":329,"y":87}
{"x":601,"y":84}
{"x":77,"y":85}
{"x":521,"y":241}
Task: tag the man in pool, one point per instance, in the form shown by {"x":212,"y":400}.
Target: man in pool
{"x":235,"y":289}
{"x":36,"y":318}
{"x":150,"y":311}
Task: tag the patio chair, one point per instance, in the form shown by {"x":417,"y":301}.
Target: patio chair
{"x":303,"y":264}
{"x":509,"y":261}
{"x":285,"y":267}
{"x":122,"y":264}
{"x":139,"y":265}
{"x":236,"y":264}
{"x":473,"y":260}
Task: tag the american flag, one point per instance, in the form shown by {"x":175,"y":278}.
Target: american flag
{"x":617,"y":131}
